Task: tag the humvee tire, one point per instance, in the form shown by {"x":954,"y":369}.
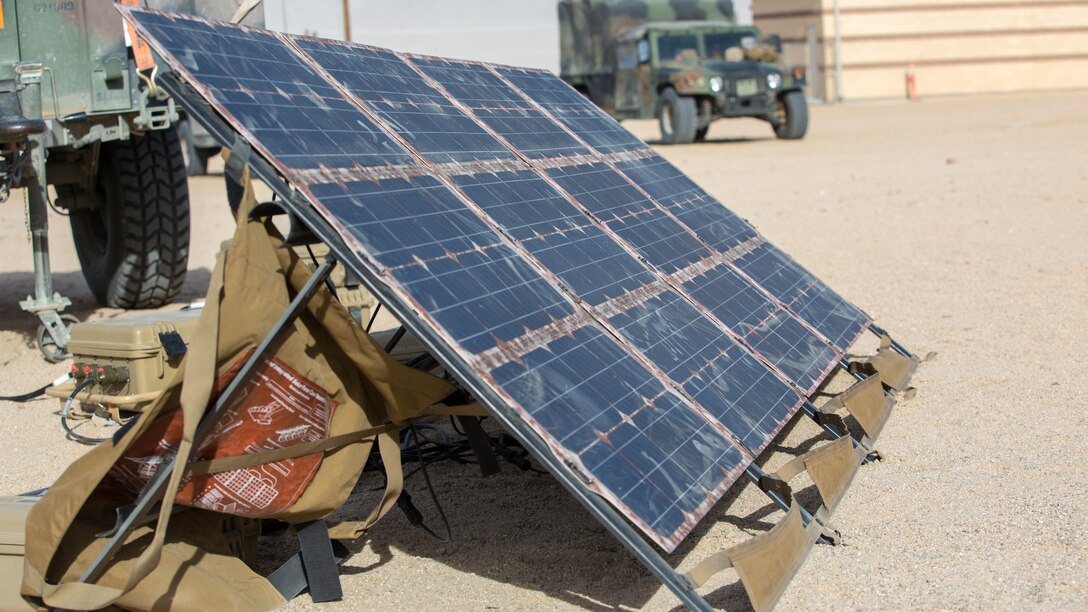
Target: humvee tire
{"x":132,"y":234}
{"x":793,"y":116}
{"x":677,"y":117}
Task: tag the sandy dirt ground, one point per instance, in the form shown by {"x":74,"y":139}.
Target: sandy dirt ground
{"x":958,"y":224}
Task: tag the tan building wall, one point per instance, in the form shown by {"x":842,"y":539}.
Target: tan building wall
{"x":958,"y":47}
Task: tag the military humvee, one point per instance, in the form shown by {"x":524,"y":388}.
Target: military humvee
{"x":684,"y":63}
{"x":80,"y":112}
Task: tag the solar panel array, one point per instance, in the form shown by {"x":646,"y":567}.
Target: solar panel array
{"x":653,"y":338}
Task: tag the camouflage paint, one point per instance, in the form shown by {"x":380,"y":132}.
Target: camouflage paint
{"x":82,"y":44}
{"x":588,"y":27}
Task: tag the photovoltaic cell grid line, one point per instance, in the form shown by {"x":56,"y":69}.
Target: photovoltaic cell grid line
{"x":807,"y":296}
{"x":721,"y":376}
{"x":643,"y":446}
{"x":391,"y":88}
{"x":795,"y":352}
{"x":827,"y":311}
{"x":694,"y":354}
{"x":376,"y":77}
{"x":268,"y":86}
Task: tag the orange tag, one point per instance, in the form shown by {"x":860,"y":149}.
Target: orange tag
{"x":140,"y":50}
{"x":1,"y":16}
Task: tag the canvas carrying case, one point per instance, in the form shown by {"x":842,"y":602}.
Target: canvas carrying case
{"x":315,"y":409}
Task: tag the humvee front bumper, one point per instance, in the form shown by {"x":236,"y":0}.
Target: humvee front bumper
{"x":760,"y":105}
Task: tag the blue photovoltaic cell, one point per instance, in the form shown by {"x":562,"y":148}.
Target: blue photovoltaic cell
{"x":574,"y":110}
{"x":451,"y":264}
{"x":560,"y":236}
{"x":619,"y":205}
{"x":778,"y":273}
{"x":715,"y":224}
{"x":802,"y":356}
{"x":730,"y":384}
{"x":652,"y":452}
{"x":491,"y":100}
{"x":825,"y":310}
{"x":798,"y":353}
{"x":264,"y":85}
{"x":724,"y":378}
{"x":398,"y":94}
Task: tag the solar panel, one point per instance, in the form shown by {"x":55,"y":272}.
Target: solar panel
{"x":267,"y":86}
{"x":527,"y":128}
{"x":592,"y":314}
{"x":574,"y":111}
{"x":799,"y":354}
{"x":597,"y":404}
{"x":719,"y":375}
{"x":393,"y":89}
{"x":828,"y":312}
{"x":722,"y":230}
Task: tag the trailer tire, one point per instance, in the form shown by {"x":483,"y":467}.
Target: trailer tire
{"x":793,"y":116}
{"x":132,"y":234}
{"x":677,"y":117}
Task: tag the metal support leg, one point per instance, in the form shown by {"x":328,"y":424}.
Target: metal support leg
{"x":153,"y":490}
{"x":44,"y":303}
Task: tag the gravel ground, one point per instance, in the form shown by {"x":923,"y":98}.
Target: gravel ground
{"x":958,"y":223}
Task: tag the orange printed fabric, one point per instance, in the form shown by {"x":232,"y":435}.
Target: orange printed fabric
{"x":278,"y":408}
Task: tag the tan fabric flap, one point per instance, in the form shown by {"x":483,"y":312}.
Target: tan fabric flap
{"x":869,"y":404}
{"x":767,"y":562}
{"x":894,"y":369}
{"x":832,"y":468}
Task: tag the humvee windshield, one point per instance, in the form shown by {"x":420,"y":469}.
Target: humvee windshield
{"x":708,"y":45}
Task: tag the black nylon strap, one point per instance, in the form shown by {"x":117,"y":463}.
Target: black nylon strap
{"x":318,"y":561}
{"x":481,"y":445}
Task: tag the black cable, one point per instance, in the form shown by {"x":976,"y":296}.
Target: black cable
{"x":373,"y":317}
{"x":430,"y":488}
{"x":25,"y":396}
{"x":72,"y":435}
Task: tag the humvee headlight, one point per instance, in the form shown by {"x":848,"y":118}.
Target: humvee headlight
{"x":716,"y":84}
{"x":774,"y":80}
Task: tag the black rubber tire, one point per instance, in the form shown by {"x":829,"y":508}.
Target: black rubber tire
{"x":195,"y":159}
{"x":133,"y":237}
{"x":677,"y":117}
{"x":793,"y":116}
{"x":700,"y":134}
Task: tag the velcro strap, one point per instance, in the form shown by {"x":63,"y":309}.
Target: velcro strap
{"x":832,"y":468}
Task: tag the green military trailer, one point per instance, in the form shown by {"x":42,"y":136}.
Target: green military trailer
{"x":685,"y":63}
{"x":85,"y":131}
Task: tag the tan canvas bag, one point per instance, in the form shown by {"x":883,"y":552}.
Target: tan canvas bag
{"x":251,"y":286}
